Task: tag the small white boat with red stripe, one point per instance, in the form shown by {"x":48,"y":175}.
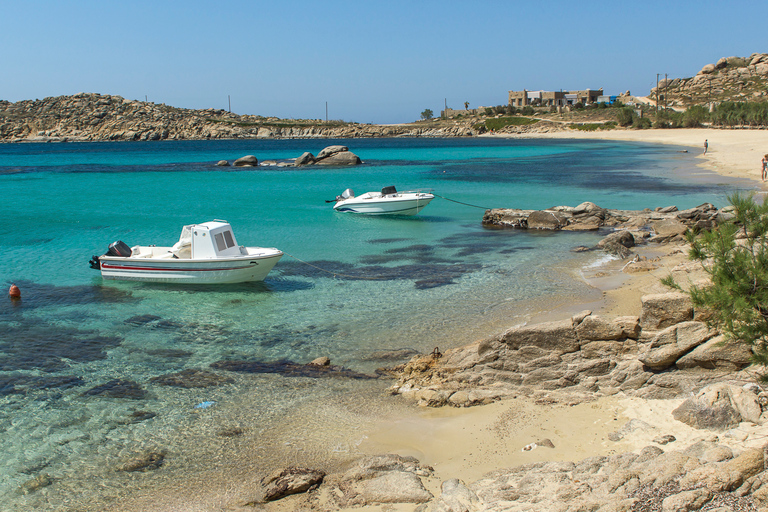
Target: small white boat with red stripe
{"x":206,"y":253}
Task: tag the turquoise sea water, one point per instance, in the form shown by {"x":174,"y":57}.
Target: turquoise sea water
{"x":78,"y":354}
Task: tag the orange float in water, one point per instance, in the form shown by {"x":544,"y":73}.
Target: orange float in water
{"x":14,"y":292}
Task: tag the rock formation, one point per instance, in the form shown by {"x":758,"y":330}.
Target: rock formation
{"x":628,"y":226}
{"x":729,"y":79}
{"x":97,"y":117}
{"x":572,"y":361}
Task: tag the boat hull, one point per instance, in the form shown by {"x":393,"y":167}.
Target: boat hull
{"x":399,"y":206}
{"x":217,"y":271}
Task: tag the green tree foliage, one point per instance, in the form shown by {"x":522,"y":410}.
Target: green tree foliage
{"x":427,"y":114}
{"x":694,"y":116}
{"x":735,"y":255}
{"x":625,"y":116}
{"x":731,"y":113}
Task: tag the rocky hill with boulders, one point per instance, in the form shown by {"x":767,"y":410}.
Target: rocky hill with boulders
{"x":97,"y":117}
{"x":728,"y":79}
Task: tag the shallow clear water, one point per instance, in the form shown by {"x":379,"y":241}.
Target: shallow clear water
{"x":77,"y":354}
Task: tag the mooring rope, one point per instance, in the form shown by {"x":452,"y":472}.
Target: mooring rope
{"x":459,"y":202}
{"x":334,"y":274}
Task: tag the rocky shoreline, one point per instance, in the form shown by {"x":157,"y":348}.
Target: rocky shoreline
{"x":665,"y":354}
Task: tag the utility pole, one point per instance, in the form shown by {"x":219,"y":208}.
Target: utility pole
{"x":326,"y":112}
{"x":666,"y":85}
{"x":229,"y":100}
{"x":657,"y":91}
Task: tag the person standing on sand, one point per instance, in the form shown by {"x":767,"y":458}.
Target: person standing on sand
{"x":765,"y":167}
{"x":706,"y":145}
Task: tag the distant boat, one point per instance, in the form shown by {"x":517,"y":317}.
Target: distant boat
{"x":387,"y":202}
{"x":206,"y":253}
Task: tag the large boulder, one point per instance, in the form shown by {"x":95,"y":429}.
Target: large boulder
{"x":726,"y":476}
{"x":456,"y":497}
{"x":618,"y":243}
{"x":341,"y":158}
{"x":662,"y":310}
{"x":669,"y":227}
{"x":557,"y":337}
{"x":672,"y":343}
{"x":594,"y":328}
{"x":246,"y":161}
{"x":384,"y":479}
{"x":331,"y":150}
{"x":546,"y":219}
{"x":717,"y":353}
{"x":306,"y":158}
{"x":586,"y":207}
{"x":718,"y":407}
{"x":289,"y":481}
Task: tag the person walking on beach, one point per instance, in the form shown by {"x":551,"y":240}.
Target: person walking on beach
{"x":765,"y":168}
{"x":706,"y":145}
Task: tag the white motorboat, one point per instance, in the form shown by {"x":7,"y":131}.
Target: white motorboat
{"x":387,"y":202}
{"x":206,"y":253}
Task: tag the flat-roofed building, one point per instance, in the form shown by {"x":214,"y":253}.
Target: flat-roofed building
{"x":553,"y":98}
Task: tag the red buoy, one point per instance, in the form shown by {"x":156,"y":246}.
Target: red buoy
{"x":14,"y":292}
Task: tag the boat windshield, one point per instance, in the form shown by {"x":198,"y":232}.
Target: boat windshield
{"x":186,"y":235}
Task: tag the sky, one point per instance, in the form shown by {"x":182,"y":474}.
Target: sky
{"x":368,"y":61}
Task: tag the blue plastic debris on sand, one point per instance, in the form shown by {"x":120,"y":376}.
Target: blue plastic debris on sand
{"x":204,"y":405}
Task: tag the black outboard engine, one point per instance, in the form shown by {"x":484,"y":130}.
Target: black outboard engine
{"x":119,"y":249}
{"x":95,"y":263}
{"x":388,"y":190}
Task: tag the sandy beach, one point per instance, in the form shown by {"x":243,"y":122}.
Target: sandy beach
{"x":468,"y":443}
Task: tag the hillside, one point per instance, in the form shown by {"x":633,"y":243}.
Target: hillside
{"x":729,"y":79}
{"x":97,"y":117}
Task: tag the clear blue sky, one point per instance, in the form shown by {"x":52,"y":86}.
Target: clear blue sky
{"x":371,"y":61}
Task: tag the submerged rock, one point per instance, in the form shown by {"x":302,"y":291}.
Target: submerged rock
{"x":118,"y":388}
{"x":191,"y":378}
{"x":292,"y":480}
{"x":145,"y":462}
{"x":35,"y":484}
{"x":289,"y":369}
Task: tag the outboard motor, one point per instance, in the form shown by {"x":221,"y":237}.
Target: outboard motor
{"x":388,"y":190}
{"x":119,"y":249}
{"x":95,"y":263}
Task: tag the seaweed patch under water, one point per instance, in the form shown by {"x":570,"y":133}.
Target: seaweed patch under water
{"x":118,"y":388}
{"x":35,"y":345}
{"x":289,"y":369}
{"x":444,"y":273}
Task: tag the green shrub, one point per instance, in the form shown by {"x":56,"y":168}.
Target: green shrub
{"x":500,"y":122}
{"x":625,"y":116}
{"x":735,"y":255}
{"x":641,"y":123}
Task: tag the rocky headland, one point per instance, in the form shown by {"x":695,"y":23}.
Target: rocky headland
{"x":97,"y":117}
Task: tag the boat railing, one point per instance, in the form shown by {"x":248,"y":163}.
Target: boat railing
{"x":417,"y":191}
